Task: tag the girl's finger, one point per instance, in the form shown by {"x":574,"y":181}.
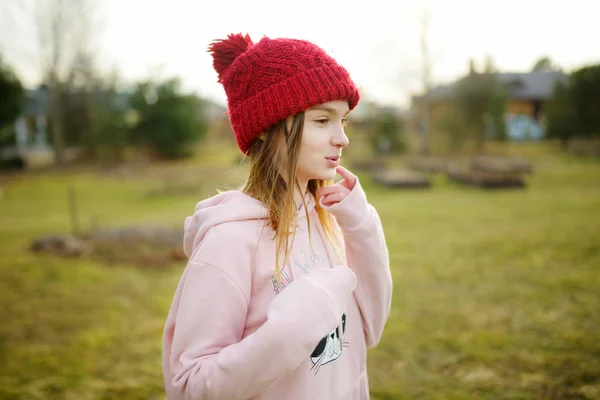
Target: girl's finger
{"x":324,"y":191}
{"x":332,"y":199}
{"x":347,"y":175}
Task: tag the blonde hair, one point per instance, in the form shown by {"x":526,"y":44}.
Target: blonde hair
{"x":272,"y":180}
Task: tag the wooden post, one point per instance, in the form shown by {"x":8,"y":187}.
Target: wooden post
{"x":73,"y":214}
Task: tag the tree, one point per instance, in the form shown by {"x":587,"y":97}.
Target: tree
{"x":585,"y":95}
{"x":575,"y":107}
{"x":480,"y":99}
{"x":489,"y":65}
{"x":387,"y":137}
{"x":62,"y":31}
{"x":86,"y":95}
{"x":497,"y":109}
{"x":11,"y":92}
{"x":543,"y":64}
{"x":450,"y":122}
{"x":560,"y":115}
{"x":108,"y":109}
{"x":168,"y":120}
{"x":426,"y":79}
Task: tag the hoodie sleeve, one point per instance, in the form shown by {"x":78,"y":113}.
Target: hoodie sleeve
{"x":205,"y":354}
{"x":367,"y":255}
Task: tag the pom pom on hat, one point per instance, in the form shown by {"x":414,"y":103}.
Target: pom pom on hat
{"x":225,"y":51}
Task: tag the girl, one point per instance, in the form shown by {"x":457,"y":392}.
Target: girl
{"x":288,"y":280}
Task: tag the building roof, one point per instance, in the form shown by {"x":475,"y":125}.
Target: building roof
{"x":536,"y":85}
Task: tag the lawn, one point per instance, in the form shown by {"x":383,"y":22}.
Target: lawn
{"x":496,"y":293}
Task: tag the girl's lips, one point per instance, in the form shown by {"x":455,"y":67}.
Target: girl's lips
{"x":333,"y":161}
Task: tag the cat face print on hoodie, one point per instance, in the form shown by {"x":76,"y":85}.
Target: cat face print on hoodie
{"x":330,"y":347}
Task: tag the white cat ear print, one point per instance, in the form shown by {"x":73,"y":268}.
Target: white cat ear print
{"x":330,"y":347}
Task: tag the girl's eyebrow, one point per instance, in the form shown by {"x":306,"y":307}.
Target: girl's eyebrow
{"x":330,"y":110}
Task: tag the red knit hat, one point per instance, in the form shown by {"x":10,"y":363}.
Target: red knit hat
{"x":273,"y":79}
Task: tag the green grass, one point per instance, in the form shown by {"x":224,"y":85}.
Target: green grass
{"x":496,"y":294}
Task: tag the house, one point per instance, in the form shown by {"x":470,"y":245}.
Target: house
{"x":30,"y":147}
{"x":528,"y":95}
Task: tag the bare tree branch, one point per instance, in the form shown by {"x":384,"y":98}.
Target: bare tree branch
{"x":426,"y":81}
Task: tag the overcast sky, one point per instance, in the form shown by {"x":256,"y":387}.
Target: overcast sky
{"x":378,"y":41}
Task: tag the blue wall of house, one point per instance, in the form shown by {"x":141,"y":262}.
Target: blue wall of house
{"x":523,"y":127}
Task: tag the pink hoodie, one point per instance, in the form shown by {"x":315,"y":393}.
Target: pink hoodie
{"x":234,"y":332}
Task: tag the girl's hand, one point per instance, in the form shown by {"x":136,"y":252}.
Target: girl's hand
{"x":335,"y":193}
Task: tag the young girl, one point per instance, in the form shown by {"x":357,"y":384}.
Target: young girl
{"x":288,"y":280}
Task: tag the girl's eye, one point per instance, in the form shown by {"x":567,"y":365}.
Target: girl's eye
{"x":322,"y":121}
{"x":344,"y":122}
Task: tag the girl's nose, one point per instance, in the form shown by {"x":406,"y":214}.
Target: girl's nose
{"x":340,"y":139}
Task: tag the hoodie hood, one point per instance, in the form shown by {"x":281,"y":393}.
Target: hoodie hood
{"x":228,"y":206}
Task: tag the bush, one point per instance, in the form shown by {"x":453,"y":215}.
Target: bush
{"x":110,"y":133}
{"x":388,"y":134}
{"x":12,"y":94}
{"x":168,"y":121}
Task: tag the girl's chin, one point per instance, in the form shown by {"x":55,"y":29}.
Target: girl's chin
{"x":324,"y":175}
{"x":328,"y":175}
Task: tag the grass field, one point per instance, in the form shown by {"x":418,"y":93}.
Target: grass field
{"x":496,"y":294}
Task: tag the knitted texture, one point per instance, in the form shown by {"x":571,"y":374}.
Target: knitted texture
{"x":273,"y":79}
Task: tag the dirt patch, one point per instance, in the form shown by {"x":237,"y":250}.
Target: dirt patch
{"x":152,"y":247}
{"x":427,"y":164}
{"x":486,"y":179}
{"x":501,"y":165}
{"x":61,"y":246}
{"x":400,"y":178}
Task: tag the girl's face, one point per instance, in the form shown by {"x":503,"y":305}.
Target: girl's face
{"x":323,"y":139}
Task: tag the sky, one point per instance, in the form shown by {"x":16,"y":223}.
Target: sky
{"x":378,"y":41}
